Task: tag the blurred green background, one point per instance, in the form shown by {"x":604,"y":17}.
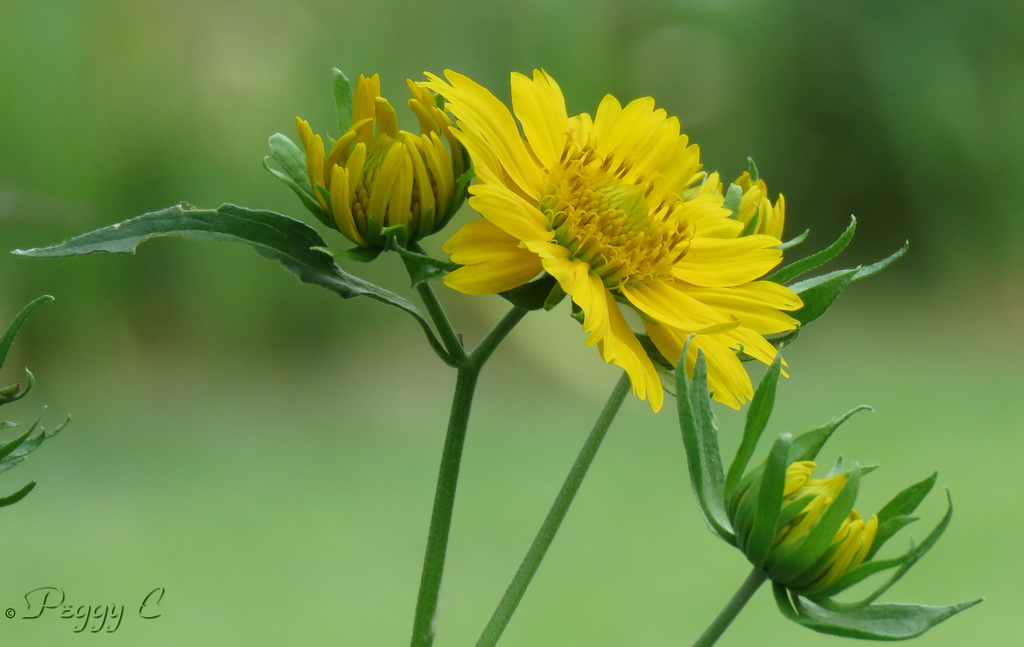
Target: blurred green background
{"x":267,"y":452}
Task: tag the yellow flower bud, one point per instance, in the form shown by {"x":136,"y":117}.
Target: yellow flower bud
{"x":376,"y":176}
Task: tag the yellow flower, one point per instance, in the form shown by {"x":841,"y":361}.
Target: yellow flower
{"x":598,"y":203}
{"x":378,"y":176}
{"x":852,"y":541}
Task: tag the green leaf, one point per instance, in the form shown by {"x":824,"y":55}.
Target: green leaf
{"x":769,"y":503}
{"x":876,"y":622}
{"x":12,"y":331}
{"x":793,"y":242}
{"x":342,"y":101}
{"x":358,"y":254}
{"x":820,"y":292}
{"x":292,"y":161}
{"x":896,"y":513}
{"x":700,"y":439}
{"x":814,"y":261}
{"x":807,"y":445}
{"x":15,"y":451}
{"x":11,"y":499}
{"x":290,"y":242}
{"x":421,"y":266}
{"x":757,"y":419}
{"x":752,"y":170}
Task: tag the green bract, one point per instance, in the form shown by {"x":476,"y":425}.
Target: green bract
{"x":14,"y":451}
{"x":749,"y":511}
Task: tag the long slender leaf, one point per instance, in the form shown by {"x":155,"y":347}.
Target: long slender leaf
{"x":274,"y":236}
{"x":814,"y":261}
{"x":769,"y":503}
{"x":700,"y":439}
{"x":807,"y":445}
{"x":12,"y":331}
{"x":875,"y":622}
{"x":757,"y":419}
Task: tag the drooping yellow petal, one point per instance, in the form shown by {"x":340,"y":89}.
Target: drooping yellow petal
{"x":717,"y":262}
{"x":510,"y":212}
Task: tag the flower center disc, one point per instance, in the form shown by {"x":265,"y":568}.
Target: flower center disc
{"x":604,"y":217}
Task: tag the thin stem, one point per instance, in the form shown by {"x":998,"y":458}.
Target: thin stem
{"x":483,"y":352}
{"x":531,"y":562}
{"x":452,"y":343}
{"x":728,"y":613}
{"x":444,"y":503}
{"x":448,"y":475}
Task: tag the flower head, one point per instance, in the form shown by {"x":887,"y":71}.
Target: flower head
{"x":377,"y":176}
{"x":606,"y":205}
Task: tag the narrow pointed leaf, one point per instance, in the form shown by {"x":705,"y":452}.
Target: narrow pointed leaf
{"x":12,"y":331}
{"x":272,"y":235}
{"x":793,"y":242}
{"x":757,"y":419}
{"x":894,"y":515}
{"x":17,"y":496}
{"x":876,"y":622}
{"x":700,"y":439}
{"x":807,"y":445}
{"x":814,"y":261}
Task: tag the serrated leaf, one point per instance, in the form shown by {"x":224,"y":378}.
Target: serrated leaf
{"x":274,"y":236}
{"x":293,"y":173}
{"x":814,"y":261}
{"x":700,"y":439}
{"x":342,"y":101}
{"x":807,"y":445}
{"x":758,"y":412}
{"x":769,"y":503}
{"x":875,"y":622}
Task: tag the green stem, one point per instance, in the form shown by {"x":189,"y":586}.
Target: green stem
{"x":452,"y":343}
{"x":531,"y":562}
{"x":728,"y":613}
{"x":469,"y":366}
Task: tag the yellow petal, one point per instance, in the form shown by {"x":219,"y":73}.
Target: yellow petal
{"x":510,"y":212}
{"x":540,"y":107}
{"x":716,"y":262}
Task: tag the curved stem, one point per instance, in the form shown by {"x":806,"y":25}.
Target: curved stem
{"x":531,"y":562}
{"x":732,"y":609}
{"x":490,"y":343}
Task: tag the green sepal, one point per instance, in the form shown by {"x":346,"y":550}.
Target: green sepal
{"x":751,"y":226}
{"x":791,"y":561}
{"x":542,"y":292}
{"x":342,"y":100}
{"x":421,"y":266}
{"x":789,"y":272}
{"x":758,"y":412}
{"x":807,"y":445}
{"x":290,"y":242}
{"x":15,"y":392}
{"x":895,"y":514}
{"x":11,"y":499}
{"x":752,"y":170}
{"x":359,"y":254}
{"x":733,"y":197}
{"x":820,"y":292}
{"x":293,"y":173}
{"x":700,"y":439}
{"x":876,"y":622}
{"x":793,"y":242}
{"x":769,"y":503}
